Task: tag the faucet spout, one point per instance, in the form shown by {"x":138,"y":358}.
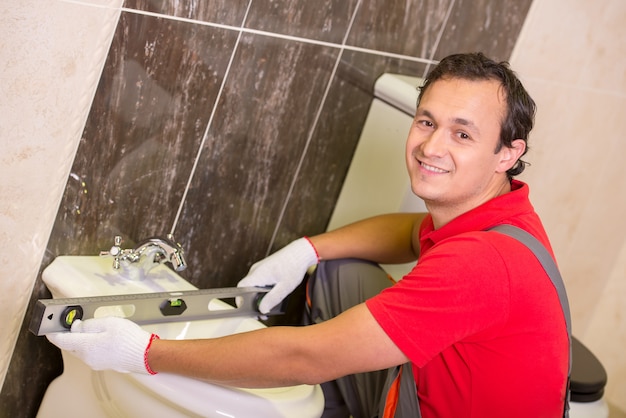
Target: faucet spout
{"x":162,"y":250}
{"x":147,"y":255}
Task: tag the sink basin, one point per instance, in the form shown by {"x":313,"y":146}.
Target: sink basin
{"x":108,"y":393}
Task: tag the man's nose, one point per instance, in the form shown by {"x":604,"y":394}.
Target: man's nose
{"x":434,"y":144}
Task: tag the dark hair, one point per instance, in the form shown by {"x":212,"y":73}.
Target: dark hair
{"x":520,"y":113}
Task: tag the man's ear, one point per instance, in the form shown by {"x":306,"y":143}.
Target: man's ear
{"x":510,"y":155}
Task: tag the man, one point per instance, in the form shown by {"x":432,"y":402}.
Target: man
{"x":477,"y":317}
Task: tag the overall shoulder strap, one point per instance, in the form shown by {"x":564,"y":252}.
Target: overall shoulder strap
{"x":552,"y":270}
{"x":399,"y":398}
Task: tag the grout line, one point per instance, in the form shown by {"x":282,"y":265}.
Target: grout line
{"x":431,"y":61}
{"x":389,"y":54}
{"x":210,"y":122}
{"x":241,"y":29}
{"x":99,"y":6}
{"x":312,"y":129}
{"x":343,"y":46}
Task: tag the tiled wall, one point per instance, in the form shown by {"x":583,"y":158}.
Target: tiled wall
{"x":572,"y":56}
{"x":232,"y":124}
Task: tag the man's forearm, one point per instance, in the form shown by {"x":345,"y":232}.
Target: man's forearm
{"x":384,"y":239}
{"x":352,"y":342}
{"x":250,"y":359}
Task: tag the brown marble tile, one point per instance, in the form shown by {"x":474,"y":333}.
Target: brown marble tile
{"x":489,"y":26}
{"x":323,"y":20}
{"x":329,"y":155}
{"x":226,"y":12}
{"x":144,"y":131}
{"x":251,"y":155}
{"x":399,"y":26}
{"x":34,"y":364}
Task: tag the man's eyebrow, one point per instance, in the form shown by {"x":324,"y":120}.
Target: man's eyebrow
{"x":466,"y":122}
{"x":458,"y":121}
{"x":423,"y":112}
{"x":469,"y":124}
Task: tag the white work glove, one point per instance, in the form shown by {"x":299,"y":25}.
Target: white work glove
{"x":284,"y":270}
{"x":109,"y":343}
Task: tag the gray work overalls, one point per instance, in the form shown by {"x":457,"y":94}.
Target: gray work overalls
{"x":396,"y":386}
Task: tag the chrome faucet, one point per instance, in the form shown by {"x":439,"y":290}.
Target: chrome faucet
{"x":148,"y":254}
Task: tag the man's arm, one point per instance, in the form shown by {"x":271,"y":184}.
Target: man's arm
{"x":282,"y":356}
{"x":386,"y":239}
{"x":278,"y":356}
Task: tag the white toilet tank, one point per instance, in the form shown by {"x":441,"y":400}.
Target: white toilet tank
{"x":377,"y":181}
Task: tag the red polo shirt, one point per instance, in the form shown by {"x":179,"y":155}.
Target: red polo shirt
{"x":479,"y":318}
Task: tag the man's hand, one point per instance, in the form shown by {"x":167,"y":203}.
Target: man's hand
{"x":284,"y":270}
{"x":107,"y":344}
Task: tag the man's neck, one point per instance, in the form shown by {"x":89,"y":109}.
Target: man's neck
{"x":445,"y":213}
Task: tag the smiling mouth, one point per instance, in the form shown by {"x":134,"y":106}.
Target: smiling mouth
{"x":432,"y":169}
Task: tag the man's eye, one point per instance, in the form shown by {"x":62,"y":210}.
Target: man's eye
{"x":463,"y":135}
{"x":425,"y":123}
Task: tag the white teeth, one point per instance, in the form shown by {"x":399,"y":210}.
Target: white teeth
{"x":431,"y":168}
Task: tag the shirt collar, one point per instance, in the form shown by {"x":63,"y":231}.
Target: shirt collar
{"x":491,"y":213}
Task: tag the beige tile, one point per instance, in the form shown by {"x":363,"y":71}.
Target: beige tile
{"x":575,"y":159}
{"x":606,"y":335}
{"x":557,"y":37}
{"x":571,"y":57}
{"x":604,"y":67}
{"x":615,"y":412}
{"x":575,"y":43}
{"x":52,"y":53}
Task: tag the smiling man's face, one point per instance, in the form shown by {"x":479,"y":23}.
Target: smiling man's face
{"x":450,"y":150}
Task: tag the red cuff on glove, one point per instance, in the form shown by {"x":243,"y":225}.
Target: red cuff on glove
{"x":314,"y":249}
{"x":145,"y":354}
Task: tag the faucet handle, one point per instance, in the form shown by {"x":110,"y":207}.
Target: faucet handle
{"x":177,"y":258}
{"x":115,"y":251}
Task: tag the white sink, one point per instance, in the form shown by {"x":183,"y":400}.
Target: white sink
{"x":108,"y":393}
